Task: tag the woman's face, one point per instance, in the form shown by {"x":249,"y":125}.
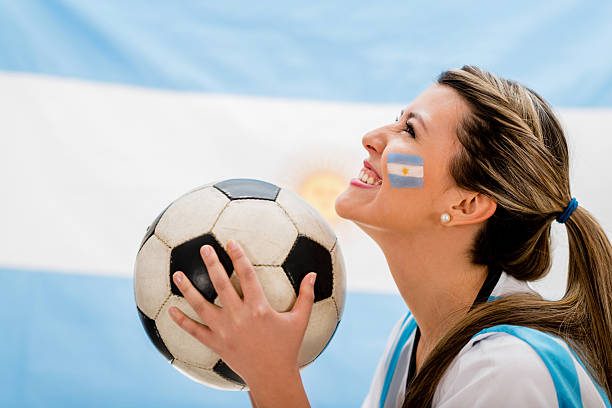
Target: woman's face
{"x":411,"y":157}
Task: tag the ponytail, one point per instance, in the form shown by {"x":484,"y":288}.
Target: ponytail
{"x":589,"y":284}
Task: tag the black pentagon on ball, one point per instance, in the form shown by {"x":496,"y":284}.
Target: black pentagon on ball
{"x":186,"y":258}
{"x":151,"y":330}
{"x":241,"y":189}
{"x":307,"y":256}
{"x":226,"y":372}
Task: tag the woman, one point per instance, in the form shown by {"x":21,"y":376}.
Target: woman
{"x":459,"y":193}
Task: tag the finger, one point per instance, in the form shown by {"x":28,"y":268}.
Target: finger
{"x":206,"y":310}
{"x":251,"y":288}
{"x":202,"y":333}
{"x":218,"y":276}
{"x":303,"y":304}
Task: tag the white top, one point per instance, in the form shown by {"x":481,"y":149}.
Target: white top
{"x":503,"y":366}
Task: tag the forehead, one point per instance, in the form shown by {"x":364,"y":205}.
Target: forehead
{"x":441,"y":108}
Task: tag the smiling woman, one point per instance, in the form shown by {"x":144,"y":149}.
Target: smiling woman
{"x":463,"y":216}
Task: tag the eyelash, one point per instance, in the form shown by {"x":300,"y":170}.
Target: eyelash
{"x":408,"y":127}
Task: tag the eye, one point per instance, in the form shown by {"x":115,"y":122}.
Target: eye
{"x":410,"y":129}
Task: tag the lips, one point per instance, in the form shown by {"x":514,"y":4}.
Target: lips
{"x":367,"y":165}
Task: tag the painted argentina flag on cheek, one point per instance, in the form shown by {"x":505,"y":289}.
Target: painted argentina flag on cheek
{"x":405,"y":170}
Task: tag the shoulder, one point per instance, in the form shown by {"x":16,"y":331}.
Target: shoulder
{"x":513,"y":366}
{"x":498,"y":369}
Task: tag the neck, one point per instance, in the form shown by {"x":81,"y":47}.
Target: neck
{"x":434,"y":276}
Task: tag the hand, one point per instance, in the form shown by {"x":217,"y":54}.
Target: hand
{"x":257,"y":342}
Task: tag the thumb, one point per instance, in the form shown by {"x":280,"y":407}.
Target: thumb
{"x":303,"y":304}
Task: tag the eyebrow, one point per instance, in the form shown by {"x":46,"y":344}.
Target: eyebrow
{"x":417,"y":117}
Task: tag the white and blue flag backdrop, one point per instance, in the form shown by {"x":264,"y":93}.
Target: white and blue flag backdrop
{"x":110,"y":110}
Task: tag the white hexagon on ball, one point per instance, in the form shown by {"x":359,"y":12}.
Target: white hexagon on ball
{"x":260,"y":226}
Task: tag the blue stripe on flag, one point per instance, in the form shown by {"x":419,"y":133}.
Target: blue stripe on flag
{"x":73,"y":340}
{"x":401,"y":158}
{"x":313,"y":50}
{"x":403,"y":181}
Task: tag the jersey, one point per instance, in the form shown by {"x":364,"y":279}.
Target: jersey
{"x":501,"y":366}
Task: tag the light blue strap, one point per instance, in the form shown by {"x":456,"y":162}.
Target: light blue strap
{"x":556,"y":358}
{"x":600,"y":390}
{"x":406,"y":332}
{"x":397,"y":336}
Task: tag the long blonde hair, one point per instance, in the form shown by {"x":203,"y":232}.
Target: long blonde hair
{"x":513,"y":149}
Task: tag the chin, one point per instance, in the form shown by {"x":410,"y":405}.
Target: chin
{"x":342,"y":207}
{"x":349,"y":210}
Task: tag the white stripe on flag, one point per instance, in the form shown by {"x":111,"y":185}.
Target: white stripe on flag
{"x":407,"y":170}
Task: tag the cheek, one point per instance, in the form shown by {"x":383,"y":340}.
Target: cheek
{"x":405,"y":170}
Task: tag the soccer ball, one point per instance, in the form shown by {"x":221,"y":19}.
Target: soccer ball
{"x":283,"y":237}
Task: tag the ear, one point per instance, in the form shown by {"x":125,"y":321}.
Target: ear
{"x":472,"y":209}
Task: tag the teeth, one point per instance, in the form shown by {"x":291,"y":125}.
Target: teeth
{"x":363,"y":176}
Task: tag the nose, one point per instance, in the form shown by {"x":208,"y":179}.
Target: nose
{"x":374,"y":141}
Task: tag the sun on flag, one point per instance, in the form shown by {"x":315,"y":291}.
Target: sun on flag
{"x":405,"y":170}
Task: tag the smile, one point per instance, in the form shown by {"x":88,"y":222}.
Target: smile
{"x":369,"y":177}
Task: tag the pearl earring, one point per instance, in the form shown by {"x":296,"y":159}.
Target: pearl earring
{"x":445,"y":218}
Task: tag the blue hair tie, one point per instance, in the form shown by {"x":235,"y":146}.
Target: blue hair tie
{"x":568,"y":210}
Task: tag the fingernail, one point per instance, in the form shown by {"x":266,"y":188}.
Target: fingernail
{"x":173,"y":311}
{"x":178,"y":277}
{"x":206,"y":250}
{"x":313,"y":276}
{"x":231,"y":245}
